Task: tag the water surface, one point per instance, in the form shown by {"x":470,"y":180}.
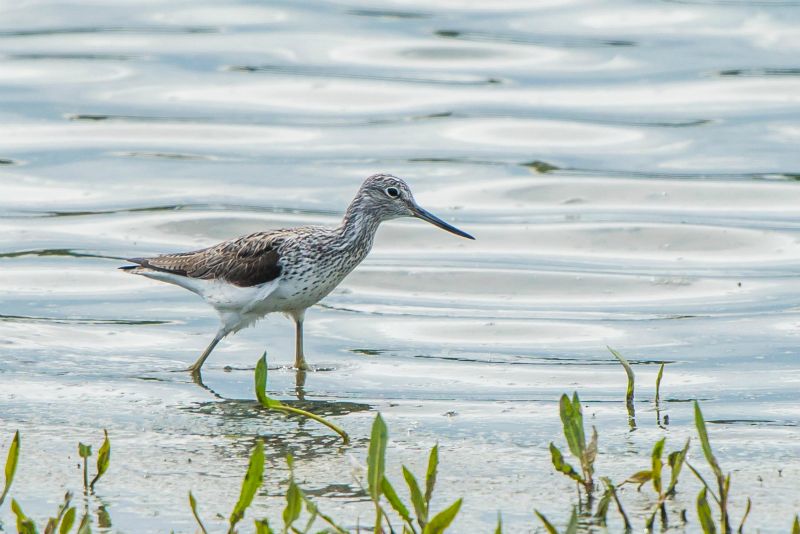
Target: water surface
{"x":629,"y":170}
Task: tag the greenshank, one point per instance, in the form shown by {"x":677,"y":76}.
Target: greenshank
{"x":285,"y":270}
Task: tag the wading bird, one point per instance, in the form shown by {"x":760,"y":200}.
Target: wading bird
{"x":285,"y":270}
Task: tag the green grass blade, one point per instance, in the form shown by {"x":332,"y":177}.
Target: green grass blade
{"x":68,"y":521}
{"x":11,"y":465}
{"x":85,"y":451}
{"x":336,"y":528}
{"x":262,"y":527}
{"x":24,"y":524}
{"x":193,"y":506}
{"x":417,"y":499}
{"x":376,"y":457}
{"x":430,"y":475}
{"x":297,"y":411}
{"x":578,"y":418}
{"x":704,"y":513}
{"x":572,"y":526}
{"x":394,"y":501}
{"x":103,"y":459}
{"x":657,"y":463}
{"x":572,"y":423}
{"x":676,"y":460}
{"x":650,"y":521}
{"x":796,"y":525}
{"x":658,"y":383}
{"x":499,"y":528}
{"x":294,"y":505}
{"x":610,"y":487}
{"x":601,"y":515}
{"x":260,"y":379}
{"x":261,"y":384}
{"x":252,"y":481}
{"x":703,"y":480}
{"x":547,"y":524}
{"x":311,"y":508}
{"x":53,"y":522}
{"x":376,"y":466}
{"x":639,"y":478}
{"x":740,"y":530}
{"x":700,"y":423}
{"x":85,"y":526}
{"x":442,"y":520}
{"x":562,"y":466}
{"x":631,"y":380}
{"x":590,"y":455}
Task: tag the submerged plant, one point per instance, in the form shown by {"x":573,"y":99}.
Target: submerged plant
{"x":273,"y":404}
{"x":572,"y":422}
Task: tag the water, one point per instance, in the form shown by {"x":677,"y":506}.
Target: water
{"x":629,"y":171}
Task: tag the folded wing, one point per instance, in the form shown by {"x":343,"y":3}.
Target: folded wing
{"x":245,"y":262}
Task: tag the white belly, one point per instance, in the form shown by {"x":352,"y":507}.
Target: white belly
{"x":240,"y":307}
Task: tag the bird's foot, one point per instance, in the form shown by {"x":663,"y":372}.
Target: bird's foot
{"x":197,"y":376}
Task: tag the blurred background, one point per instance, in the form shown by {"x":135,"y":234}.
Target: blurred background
{"x":629,"y":170}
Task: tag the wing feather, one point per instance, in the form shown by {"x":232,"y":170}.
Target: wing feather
{"x":247,"y":261}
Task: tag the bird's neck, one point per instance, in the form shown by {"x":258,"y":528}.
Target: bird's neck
{"x":359,"y":224}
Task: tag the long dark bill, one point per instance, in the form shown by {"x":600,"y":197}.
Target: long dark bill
{"x":436,"y":221}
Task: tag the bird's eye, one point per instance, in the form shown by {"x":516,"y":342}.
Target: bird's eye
{"x":392,"y":192}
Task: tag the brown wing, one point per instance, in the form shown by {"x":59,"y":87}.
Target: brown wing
{"x":246,"y":261}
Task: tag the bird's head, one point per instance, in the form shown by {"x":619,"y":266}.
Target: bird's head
{"x":389,"y":197}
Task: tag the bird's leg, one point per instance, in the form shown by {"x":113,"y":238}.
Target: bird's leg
{"x":299,"y":358}
{"x":300,"y":384}
{"x":195,"y":367}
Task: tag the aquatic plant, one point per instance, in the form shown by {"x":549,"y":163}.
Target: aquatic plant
{"x":572,"y":422}
{"x":658,"y":384}
{"x":675,"y":460}
{"x":273,"y":404}
{"x":380,"y":489}
{"x":604,"y":503}
{"x":379,"y":485}
{"x":630,"y":390}
{"x":723,"y":484}
{"x":572,"y":526}
{"x":103,"y":459}
{"x":11,"y":466}
{"x":64,"y":519}
{"x":252,"y":481}
{"x":295,"y":499}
